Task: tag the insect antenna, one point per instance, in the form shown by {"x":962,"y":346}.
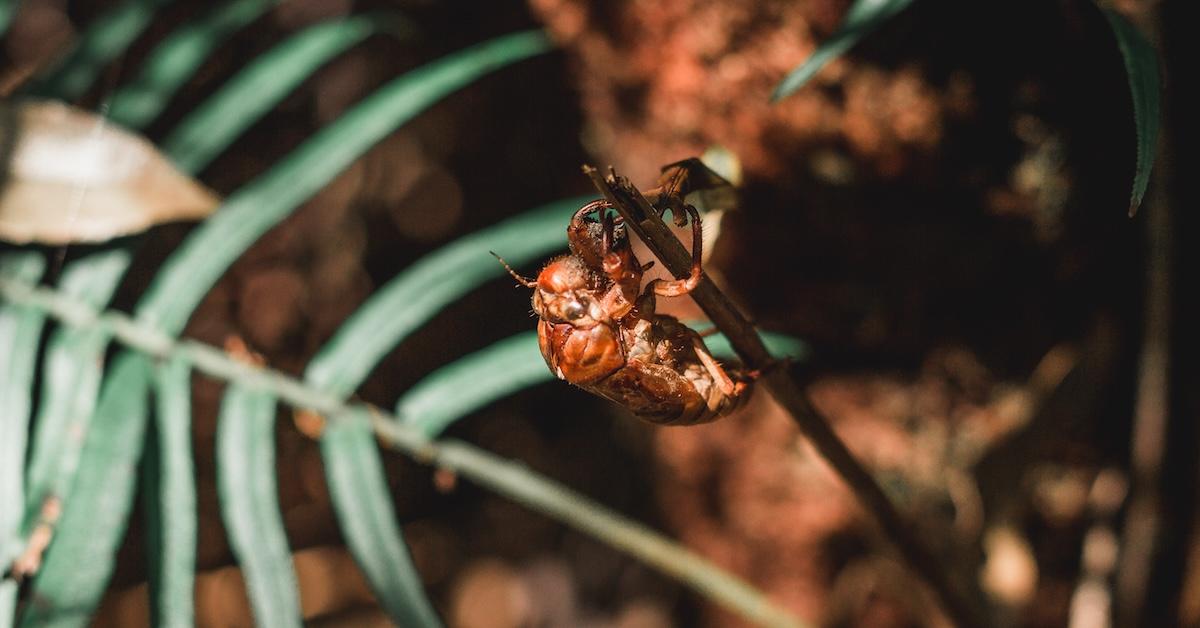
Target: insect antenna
{"x":528,"y":283}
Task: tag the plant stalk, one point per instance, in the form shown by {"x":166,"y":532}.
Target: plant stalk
{"x":1149,"y":539}
{"x":505,"y":477}
{"x":645,"y":220}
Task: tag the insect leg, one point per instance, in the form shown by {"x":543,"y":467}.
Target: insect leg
{"x":581,"y":214}
{"x":607,"y":231}
{"x":582,"y":232}
{"x":680,"y":179}
{"x":724,"y":382}
{"x":674,"y":179}
{"x":683,"y":286}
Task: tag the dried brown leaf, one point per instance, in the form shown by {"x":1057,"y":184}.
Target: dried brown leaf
{"x":71,"y":176}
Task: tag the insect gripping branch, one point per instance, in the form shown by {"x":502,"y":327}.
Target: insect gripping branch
{"x":959,"y":600}
{"x":598,"y":328}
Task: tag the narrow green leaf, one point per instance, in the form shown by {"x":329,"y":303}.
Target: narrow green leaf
{"x":515,"y":363}
{"x":176,"y":60}
{"x":1141,"y":65}
{"x":102,"y":42}
{"x":472,"y":382}
{"x":363,"y":503}
{"x":405,"y":303}
{"x":782,"y":346}
{"x":196,"y":266}
{"x":66,"y":349}
{"x":79,"y":561}
{"x":248,"y":213}
{"x":253,"y":92}
{"x":212,"y":126}
{"x":70,"y":383}
{"x":508,"y":478}
{"x":250,"y":505}
{"x":109,"y":36}
{"x":20,"y":331}
{"x":171,"y":499}
{"x":862,"y":17}
{"x":539,"y":493}
{"x":414,"y":296}
{"x":8,"y":8}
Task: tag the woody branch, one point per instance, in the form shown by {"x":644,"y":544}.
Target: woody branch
{"x":961,"y":606}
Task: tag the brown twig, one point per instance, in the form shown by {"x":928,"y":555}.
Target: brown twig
{"x":640,"y":216}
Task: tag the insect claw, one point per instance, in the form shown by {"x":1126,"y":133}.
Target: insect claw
{"x":679,"y":215}
{"x":683,"y":286}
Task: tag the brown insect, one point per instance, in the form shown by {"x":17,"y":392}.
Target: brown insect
{"x":598,"y":328}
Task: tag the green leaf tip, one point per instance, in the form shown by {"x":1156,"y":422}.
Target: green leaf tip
{"x":168,"y":479}
{"x":1141,"y":66}
{"x":249,"y":212}
{"x":20,"y":332}
{"x":249,"y":496}
{"x":418,"y":293}
{"x":363,"y":504}
{"x":176,"y":60}
{"x":513,"y":364}
{"x":105,"y":39}
{"x":863,"y":17}
{"x":77,"y":565}
{"x":262,"y":83}
{"x":8,"y":8}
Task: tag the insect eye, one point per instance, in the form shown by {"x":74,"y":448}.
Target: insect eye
{"x":574,"y":310}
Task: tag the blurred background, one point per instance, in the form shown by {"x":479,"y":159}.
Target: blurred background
{"x":940,"y":213}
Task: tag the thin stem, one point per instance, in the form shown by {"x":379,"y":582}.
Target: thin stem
{"x":640,"y":216}
{"x":508,"y":478}
{"x":1148,"y":539}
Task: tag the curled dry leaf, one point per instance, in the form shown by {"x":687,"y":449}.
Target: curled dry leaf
{"x":71,"y":176}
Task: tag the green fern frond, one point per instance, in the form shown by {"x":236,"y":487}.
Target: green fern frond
{"x":1141,"y":67}
{"x":213,"y":125}
{"x":863,"y":17}
{"x":106,"y":417}
{"x":82,"y":555}
{"x":508,"y":366}
{"x":176,"y":59}
{"x":20,"y":331}
{"x":414,"y":296}
{"x":250,"y":504}
{"x":8,"y":8}
{"x":192,"y":270}
{"x":102,"y":43}
{"x":363,"y":504}
{"x":506,"y":477}
{"x":169,"y":482}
